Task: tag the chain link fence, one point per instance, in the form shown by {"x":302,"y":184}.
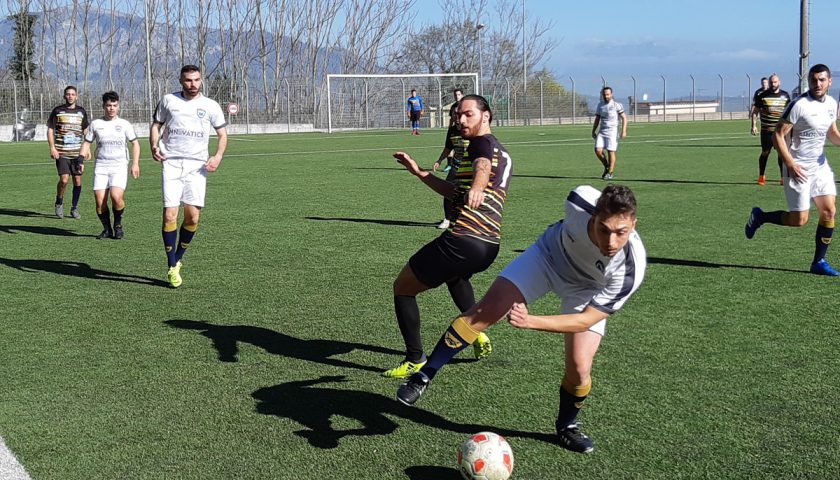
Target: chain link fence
{"x":302,"y":106}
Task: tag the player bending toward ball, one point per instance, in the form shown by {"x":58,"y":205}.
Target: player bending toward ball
{"x":593,"y":260}
{"x":471,"y":243}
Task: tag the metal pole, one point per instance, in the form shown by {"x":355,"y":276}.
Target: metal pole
{"x":541,"y":101}
{"x":803,"y":46}
{"x":693,"y":102}
{"x":402,"y":82}
{"x":749,"y":89}
{"x":574,"y":101}
{"x":664,"y":100}
{"x":635,"y":100}
{"x":525,"y":70}
{"x":289,"y":106}
{"x":721,"y":96}
{"x":247,"y":107}
{"x":509,"y":103}
{"x":603,"y":81}
{"x":480,"y":62}
{"x":367,"y":116}
{"x":148,"y":56}
{"x":329,"y":105}
{"x":440,"y":105}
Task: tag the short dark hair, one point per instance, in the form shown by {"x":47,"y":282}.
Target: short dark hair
{"x":70,"y":87}
{"x":189,"y":69}
{"x":605,"y":89}
{"x":110,"y":97}
{"x":482,"y":102}
{"x":616,"y":200}
{"x":765,"y":78}
{"x":458,"y":90}
{"x":819,"y":68}
{"x":413,"y":90}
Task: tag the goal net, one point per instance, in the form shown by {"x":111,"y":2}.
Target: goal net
{"x":379,"y":101}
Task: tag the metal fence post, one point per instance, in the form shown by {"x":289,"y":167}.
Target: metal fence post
{"x":664,"y":99}
{"x":574,"y":101}
{"x":508,"y":103}
{"x":693,"y":98}
{"x":722,"y":97}
{"x":635,"y":100}
{"x":541,"y":101}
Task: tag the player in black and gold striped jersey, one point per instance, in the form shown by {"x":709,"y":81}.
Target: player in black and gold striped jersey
{"x":768,"y":106}
{"x":66,"y":128}
{"x":471,"y":243}
{"x":453,"y":153}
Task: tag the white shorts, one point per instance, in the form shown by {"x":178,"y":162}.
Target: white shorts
{"x":532,"y":274}
{"x":819,"y":181}
{"x":608,"y":141}
{"x":107,"y":176}
{"x":184,"y":181}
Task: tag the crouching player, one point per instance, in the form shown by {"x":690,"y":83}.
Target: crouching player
{"x":594,"y":261}
{"x":110,"y":172}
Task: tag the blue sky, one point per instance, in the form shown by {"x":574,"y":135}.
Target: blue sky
{"x":649,"y":38}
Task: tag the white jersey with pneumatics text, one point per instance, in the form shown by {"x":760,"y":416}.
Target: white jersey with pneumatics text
{"x":811,"y":119}
{"x":578,"y":261}
{"x":610,"y":113}
{"x":187,"y":125}
{"x":111,"y":137}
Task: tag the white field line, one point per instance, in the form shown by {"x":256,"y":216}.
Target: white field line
{"x":10,"y":468}
{"x":535,"y":143}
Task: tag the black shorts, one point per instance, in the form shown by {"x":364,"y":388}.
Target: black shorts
{"x":415,"y":115}
{"x":766,"y":140}
{"x":69,"y":166}
{"x":451,"y":256}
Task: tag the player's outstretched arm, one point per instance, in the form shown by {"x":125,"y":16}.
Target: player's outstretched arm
{"x":565,"y":323}
{"x":439,"y":185}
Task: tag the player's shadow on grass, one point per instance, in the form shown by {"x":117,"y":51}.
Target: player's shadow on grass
{"x":432,"y":473}
{"x":226,"y":339}
{"x":702,"y":264}
{"x":52,"y":231}
{"x":314,"y":407}
{"x":637,"y":180}
{"x":77,"y":269}
{"x":13,"y":212}
{"x":399,"y":223}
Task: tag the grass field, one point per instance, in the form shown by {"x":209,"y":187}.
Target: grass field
{"x":264,"y":364}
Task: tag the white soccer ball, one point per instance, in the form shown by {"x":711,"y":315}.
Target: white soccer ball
{"x":485,"y":456}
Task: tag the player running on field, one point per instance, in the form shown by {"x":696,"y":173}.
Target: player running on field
{"x":769,"y":106}
{"x":809,"y":120}
{"x":471,"y":243}
{"x":110,"y":172}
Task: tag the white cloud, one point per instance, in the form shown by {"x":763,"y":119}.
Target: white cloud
{"x":744,"y":54}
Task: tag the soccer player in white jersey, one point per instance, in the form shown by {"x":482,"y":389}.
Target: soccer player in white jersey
{"x":110,"y":172}
{"x":594,"y":261}
{"x":180,"y":138}
{"x":809,"y":120}
{"x":605,"y":130}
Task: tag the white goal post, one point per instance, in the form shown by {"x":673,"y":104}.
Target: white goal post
{"x":363,"y":101}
